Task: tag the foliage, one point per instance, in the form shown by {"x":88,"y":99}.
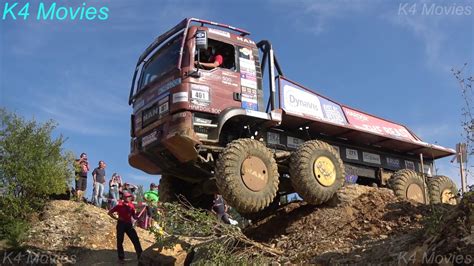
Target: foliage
{"x":13,"y":222}
{"x":213,"y":242}
{"x":433,"y":221}
{"x":467,"y":123}
{"x":32,"y":167}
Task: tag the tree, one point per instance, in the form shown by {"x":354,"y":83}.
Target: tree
{"x":467,"y":123}
{"x":140,"y":194}
{"x":33,"y":166}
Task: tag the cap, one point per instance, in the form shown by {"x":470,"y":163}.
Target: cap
{"x":153,"y":185}
{"x":127,"y":194}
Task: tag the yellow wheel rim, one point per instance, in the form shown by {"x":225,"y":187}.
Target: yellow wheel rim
{"x":415,"y":193}
{"x":448,"y":197}
{"x":324,"y":171}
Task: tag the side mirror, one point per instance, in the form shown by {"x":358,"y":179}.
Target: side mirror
{"x":201,"y":40}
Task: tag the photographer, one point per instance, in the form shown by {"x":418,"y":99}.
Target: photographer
{"x":81,"y":166}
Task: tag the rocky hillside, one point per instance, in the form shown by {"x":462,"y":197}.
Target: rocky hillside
{"x":359,"y":225}
{"x":80,"y":233}
{"x":364,"y":224}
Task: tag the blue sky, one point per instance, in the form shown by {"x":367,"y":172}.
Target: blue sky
{"x":365,"y":54}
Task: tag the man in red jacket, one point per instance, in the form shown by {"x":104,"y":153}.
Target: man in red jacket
{"x":126,"y":210}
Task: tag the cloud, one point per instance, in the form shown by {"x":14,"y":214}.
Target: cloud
{"x":76,"y":103}
{"x":427,"y":29}
{"x":434,"y":30}
{"x":316,"y":16}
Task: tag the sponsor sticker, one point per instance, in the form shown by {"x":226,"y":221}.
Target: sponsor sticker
{"x":376,"y":125}
{"x":371,"y":157}
{"x":219,"y":32}
{"x":299,"y":101}
{"x":293,"y":142}
{"x":410,"y":165}
{"x":393,"y":162}
{"x":180,"y":97}
{"x":169,"y":85}
{"x":273,"y":138}
{"x":352,"y":154}
{"x":146,"y":140}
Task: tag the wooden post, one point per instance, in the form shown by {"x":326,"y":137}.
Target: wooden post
{"x":425,"y":192}
{"x":463,"y":181}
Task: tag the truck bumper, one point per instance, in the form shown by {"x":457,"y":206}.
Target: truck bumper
{"x":175,"y":137}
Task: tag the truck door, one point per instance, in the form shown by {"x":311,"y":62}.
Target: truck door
{"x":218,"y":88}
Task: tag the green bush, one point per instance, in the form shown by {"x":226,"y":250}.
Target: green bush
{"x":33,"y":166}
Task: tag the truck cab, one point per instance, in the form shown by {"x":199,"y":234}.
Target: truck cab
{"x":176,"y":103}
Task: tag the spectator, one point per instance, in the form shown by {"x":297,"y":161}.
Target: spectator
{"x":98,"y":176}
{"x":115,"y":185}
{"x":81,"y":167}
{"x":126,"y":210}
{"x":220,"y":209}
{"x":152,"y":198}
{"x":130,"y":188}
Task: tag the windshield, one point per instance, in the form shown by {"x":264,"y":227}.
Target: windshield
{"x":165,"y":59}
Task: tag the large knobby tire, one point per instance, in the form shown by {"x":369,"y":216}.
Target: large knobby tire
{"x":408,"y":185}
{"x":316,"y":171}
{"x":442,"y":190}
{"x":172,"y":187}
{"x":247,"y":175}
{"x":167,"y":190}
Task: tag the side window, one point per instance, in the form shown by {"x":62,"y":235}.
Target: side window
{"x":223,"y":49}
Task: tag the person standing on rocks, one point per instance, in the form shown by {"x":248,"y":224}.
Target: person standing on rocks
{"x":126,"y":211}
{"x":98,"y":176}
{"x":81,"y":166}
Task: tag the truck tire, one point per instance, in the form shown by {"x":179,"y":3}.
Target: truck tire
{"x":167,"y":190}
{"x":316,"y":171}
{"x":408,"y":185}
{"x":442,"y":190}
{"x":171,"y":187}
{"x":247,"y":175}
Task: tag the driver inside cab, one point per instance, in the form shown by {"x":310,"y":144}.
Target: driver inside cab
{"x":214,"y":59}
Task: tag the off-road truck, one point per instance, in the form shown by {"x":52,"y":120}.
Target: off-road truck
{"x":219,"y":130}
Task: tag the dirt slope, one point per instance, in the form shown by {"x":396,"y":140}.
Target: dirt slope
{"x":83,"y":232}
{"x":361,"y":224}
